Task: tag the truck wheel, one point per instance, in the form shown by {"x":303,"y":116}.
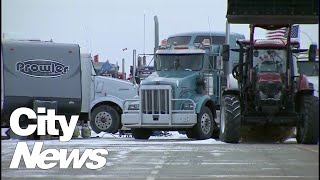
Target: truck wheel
{"x":308,"y":128}
{"x":105,"y":118}
{"x":230,"y":119}
{"x":204,"y":127}
{"x":140,"y":133}
{"x":190,"y":134}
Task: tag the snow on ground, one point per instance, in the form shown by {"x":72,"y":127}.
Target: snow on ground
{"x":107,"y":139}
{"x":114,"y":139}
{"x":175,"y":137}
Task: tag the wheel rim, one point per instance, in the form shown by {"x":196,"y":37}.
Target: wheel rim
{"x":222,"y":117}
{"x":103,"y":120}
{"x":205,"y":123}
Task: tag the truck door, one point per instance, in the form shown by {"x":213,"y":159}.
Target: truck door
{"x":213,"y":79}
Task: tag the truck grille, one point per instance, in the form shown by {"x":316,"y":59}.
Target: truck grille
{"x":155,"y":101}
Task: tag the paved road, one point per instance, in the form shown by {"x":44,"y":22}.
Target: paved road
{"x":178,"y":158}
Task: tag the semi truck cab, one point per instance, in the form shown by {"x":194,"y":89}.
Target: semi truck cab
{"x":181,"y":95}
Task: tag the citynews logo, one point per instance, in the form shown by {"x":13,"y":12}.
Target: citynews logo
{"x":49,"y":158}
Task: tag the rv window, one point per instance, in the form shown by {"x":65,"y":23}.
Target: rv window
{"x":180,"y":40}
{"x":215,"y":39}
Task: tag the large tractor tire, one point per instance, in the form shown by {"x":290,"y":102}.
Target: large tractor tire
{"x":105,"y":118}
{"x":140,"y":133}
{"x":230,"y":119}
{"x":308,"y":127}
{"x":204,"y":127}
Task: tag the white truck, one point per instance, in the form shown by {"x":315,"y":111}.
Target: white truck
{"x":103,"y":101}
{"x":57,"y":75}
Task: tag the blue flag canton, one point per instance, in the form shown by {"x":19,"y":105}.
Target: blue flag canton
{"x":294,"y":31}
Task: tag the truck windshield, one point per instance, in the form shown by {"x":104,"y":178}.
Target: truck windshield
{"x":184,"y":62}
{"x":179,"y":40}
{"x":269,"y":60}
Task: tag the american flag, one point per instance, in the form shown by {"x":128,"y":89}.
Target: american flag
{"x":282,"y":33}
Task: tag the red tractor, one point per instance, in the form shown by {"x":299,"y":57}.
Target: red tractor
{"x":265,"y":95}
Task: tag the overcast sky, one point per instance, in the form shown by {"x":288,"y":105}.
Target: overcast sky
{"x":105,"y":27}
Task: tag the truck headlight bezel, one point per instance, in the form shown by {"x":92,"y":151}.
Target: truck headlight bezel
{"x":133,"y":107}
{"x":188,"y":106}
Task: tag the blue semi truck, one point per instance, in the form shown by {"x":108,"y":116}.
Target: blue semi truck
{"x":184,"y":92}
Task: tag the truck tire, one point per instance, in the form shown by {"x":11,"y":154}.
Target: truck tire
{"x":190,"y":134}
{"x":140,"y":133}
{"x":105,"y":118}
{"x":230,"y":119}
{"x":204,"y":127}
{"x":216,"y":132}
{"x":308,"y":128}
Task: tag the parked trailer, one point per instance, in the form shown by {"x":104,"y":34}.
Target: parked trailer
{"x":56,"y":75}
{"x":43,"y":74}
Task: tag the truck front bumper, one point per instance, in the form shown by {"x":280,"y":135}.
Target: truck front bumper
{"x":177,"y":120}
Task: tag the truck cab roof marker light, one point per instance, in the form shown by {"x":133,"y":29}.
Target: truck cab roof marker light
{"x":206,"y":42}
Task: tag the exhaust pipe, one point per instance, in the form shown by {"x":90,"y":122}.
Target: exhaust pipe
{"x":134,"y":67}
{"x":227,"y":64}
{"x":123,"y":71}
{"x":156,"y":39}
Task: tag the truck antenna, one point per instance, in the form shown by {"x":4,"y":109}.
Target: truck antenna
{"x":209,"y":30}
{"x":144,"y":34}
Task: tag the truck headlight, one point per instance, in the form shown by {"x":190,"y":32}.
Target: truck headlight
{"x":133,"y":107}
{"x":188,"y":106}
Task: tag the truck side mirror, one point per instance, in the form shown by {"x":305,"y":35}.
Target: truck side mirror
{"x":225,"y":52}
{"x":312,"y":52}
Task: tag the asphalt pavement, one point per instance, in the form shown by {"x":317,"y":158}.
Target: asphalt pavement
{"x":176,"y":158}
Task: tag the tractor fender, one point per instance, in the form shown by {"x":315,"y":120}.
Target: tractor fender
{"x":303,"y":83}
{"x":303,"y":89}
{"x":303,"y":86}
